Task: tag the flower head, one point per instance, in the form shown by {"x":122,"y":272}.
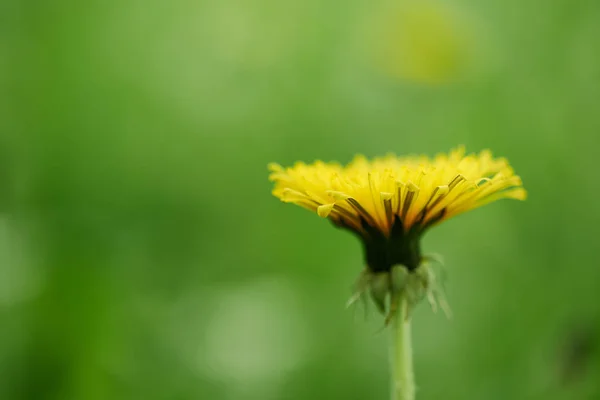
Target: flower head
{"x":390,"y":202}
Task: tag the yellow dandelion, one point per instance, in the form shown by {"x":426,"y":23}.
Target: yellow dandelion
{"x":390,"y":202}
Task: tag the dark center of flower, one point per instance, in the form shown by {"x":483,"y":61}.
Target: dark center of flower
{"x":402,"y":247}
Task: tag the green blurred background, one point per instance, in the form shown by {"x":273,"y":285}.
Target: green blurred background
{"x":142,"y":255}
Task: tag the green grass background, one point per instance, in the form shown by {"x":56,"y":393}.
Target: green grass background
{"x":142,"y":255}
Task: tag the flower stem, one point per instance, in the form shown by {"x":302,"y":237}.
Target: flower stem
{"x":403,"y":382}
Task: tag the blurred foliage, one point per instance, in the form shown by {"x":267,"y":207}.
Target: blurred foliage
{"x":143,"y":257}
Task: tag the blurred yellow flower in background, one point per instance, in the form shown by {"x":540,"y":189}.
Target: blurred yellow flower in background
{"x":424,"y":41}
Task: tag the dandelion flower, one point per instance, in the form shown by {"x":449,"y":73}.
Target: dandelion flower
{"x":390,"y":202}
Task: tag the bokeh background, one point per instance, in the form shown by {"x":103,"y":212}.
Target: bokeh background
{"x":143,"y":257}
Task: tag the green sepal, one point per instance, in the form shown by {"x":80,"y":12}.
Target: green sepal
{"x":380,"y":287}
{"x":399,"y":278}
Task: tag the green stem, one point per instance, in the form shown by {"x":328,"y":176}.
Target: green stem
{"x":403,"y":381}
